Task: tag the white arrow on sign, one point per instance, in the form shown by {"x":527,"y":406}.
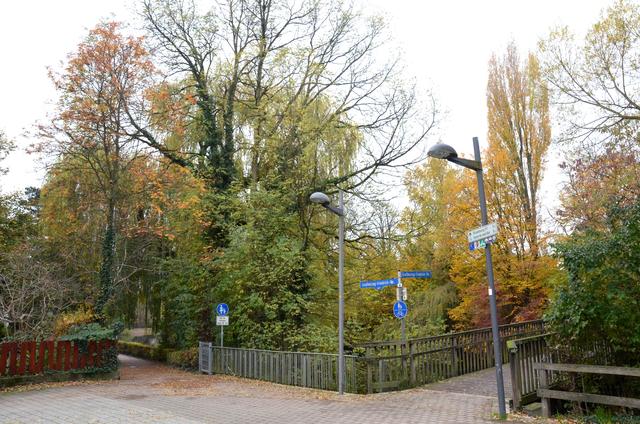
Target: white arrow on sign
{"x":484,"y":232}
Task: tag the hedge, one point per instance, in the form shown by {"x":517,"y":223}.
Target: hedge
{"x":140,"y":350}
{"x":186,"y":359}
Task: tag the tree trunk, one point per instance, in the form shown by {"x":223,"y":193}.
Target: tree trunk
{"x":106,"y":269}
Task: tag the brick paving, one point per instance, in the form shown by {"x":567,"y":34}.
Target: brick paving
{"x":152,"y":393}
{"x":478,"y":383}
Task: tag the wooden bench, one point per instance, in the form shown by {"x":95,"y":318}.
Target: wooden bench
{"x":547,"y":394}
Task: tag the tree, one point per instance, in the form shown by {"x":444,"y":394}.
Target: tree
{"x":519,"y":135}
{"x":89,"y":133}
{"x":596,"y":82}
{"x":287,"y":98}
{"x":307,"y":55}
{"x":598,"y":302}
{"x":6,"y":147}
{"x":598,"y":182}
{"x":31,"y":292}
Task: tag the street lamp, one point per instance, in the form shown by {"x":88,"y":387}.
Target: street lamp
{"x":323,"y":200}
{"x":444,"y":151}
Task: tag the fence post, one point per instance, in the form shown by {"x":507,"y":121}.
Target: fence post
{"x":514,"y":364}
{"x":546,"y":402}
{"x":412,"y":362}
{"x":454,"y":356}
{"x":210,"y":358}
{"x":369,"y":377}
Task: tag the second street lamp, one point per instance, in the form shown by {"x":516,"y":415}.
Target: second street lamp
{"x":444,"y":151}
{"x":323,"y":200}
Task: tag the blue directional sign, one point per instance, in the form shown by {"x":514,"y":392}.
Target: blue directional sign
{"x":378,"y":284}
{"x":400,"y":309}
{"x":222,"y":309}
{"x":415,"y":274}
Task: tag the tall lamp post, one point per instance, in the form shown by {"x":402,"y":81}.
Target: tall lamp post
{"x":444,"y":151}
{"x":323,"y":200}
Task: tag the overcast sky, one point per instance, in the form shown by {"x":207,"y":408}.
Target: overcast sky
{"x":446,"y":47}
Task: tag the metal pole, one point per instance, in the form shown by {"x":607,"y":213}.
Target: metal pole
{"x":222,"y":336}
{"x":341,"y":297}
{"x":497,"y":347}
{"x":398,"y":298}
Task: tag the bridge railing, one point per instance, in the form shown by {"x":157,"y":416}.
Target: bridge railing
{"x":524,"y":353}
{"x":394,"y":365}
{"x":303,"y":369}
{"x":385,"y":366}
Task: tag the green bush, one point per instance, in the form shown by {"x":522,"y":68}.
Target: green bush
{"x":83,"y":333}
{"x":140,"y":350}
{"x":186,"y":359}
{"x":600,"y":300}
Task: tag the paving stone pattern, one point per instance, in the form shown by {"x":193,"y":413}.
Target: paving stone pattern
{"x":152,"y":393}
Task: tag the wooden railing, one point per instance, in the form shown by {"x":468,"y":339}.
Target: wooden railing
{"x":32,"y":358}
{"x":394,"y":365}
{"x":386,"y":365}
{"x":547,"y":394}
{"x":523,"y":354}
{"x":304,"y":369}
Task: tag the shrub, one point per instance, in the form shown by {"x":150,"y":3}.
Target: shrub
{"x":140,"y":350}
{"x":84,"y":333}
{"x":66,"y":322}
{"x":186,"y":359}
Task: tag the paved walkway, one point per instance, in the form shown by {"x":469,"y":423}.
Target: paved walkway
{"x":481,"y":383}
{"x":152,"y":393}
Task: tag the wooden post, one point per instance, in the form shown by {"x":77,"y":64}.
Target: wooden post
{"x":412,"y":363}
{"x":380,"y":374}
{"x":546,"y":402}
{"x":454,"y":356}
{"x":369,"y":377}
{"x":515,"y":375}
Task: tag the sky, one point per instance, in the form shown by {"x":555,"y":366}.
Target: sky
{"x":446,"y":45}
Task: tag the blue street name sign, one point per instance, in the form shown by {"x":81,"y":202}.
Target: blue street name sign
{"x":400,"y":309}
{"x":415,"y":274}
{"x":222,"y":309}
{"x":378,"y":284}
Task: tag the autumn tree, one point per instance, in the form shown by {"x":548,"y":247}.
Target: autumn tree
{"x":89,"y":132}
{"x":519,"y":135}
{"x":6,"y":146}
{"x":288,"y":98}
{"x":595,"y":81}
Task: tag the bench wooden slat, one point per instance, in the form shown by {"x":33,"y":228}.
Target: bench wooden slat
{"x":590,"y":369}
{"x":591,"y":398}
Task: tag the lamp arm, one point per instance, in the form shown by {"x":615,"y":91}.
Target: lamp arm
{"x":338,"y":211}
{"x":467,"y":163}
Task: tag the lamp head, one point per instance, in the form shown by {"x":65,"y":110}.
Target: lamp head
{"x":320,"y":198}
{"x":442,"y":151}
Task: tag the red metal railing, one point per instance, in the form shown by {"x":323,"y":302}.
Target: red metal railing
{"x":31,"y":358}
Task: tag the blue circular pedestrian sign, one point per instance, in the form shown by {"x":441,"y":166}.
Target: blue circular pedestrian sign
{"x":400,"y":309}
{"x":222,"y":309}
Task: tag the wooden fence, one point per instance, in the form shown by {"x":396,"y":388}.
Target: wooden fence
{"x":304,"y":369}
{"x":32,"y":358}
{"x":546,"y":372}
{"x":385,"y":366}
{"x":394,"y":365}
{"x":523,"y":354}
